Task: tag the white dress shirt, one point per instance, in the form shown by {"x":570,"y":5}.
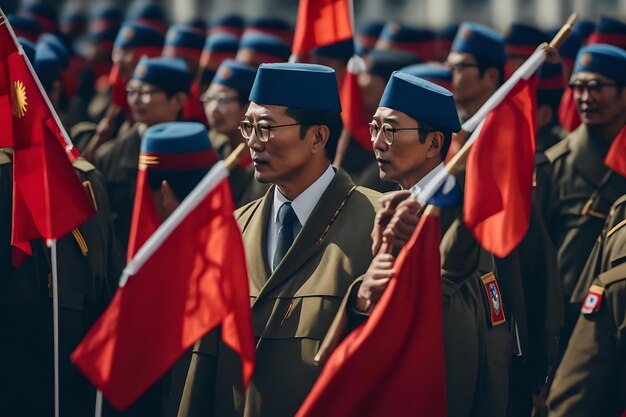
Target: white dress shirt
{"x":302,"y":205}
{"x":417,"y":188}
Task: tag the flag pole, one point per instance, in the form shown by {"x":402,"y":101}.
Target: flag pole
{"x":98,"y":404}
{"x":52,"y":244}
{"x":474,"y":124}
{"x":68,"y":143}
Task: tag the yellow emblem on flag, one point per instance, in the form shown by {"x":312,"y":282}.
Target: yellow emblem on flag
{"x":19,"y":99}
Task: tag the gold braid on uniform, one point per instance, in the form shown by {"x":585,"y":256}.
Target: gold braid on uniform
{"x":335,"y":215}
{"x":80,"y":240}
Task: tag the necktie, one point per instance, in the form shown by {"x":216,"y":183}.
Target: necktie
{"x":288,"y":219}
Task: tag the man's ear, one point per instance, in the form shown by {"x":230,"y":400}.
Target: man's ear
{"x":493,"y":75}
{"x":168,"y":198}
{"x":435,"y":145}
{"x":321,"y":133}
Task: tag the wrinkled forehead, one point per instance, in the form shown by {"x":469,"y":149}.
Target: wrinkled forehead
{"x":392,"y":116}
{"x":266,"y":112}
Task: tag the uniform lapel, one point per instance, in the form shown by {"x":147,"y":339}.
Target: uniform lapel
{"x":255,"y":236}
{"x":306,"y":243}
{"x":589,"y":151}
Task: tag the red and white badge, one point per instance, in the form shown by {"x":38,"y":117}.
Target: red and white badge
{"x":495,"y":299}
{"x":593,"y":299}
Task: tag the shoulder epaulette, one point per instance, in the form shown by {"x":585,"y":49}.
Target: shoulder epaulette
{"x":82,"y":127}
{"x":558,"y":150}
{"x":613,"y":275}
{"x":83,"y":165}
{"x":5,"y":158}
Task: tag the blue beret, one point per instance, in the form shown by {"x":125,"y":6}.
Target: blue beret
{"x":169,"y":74}
{"x":422,"y":100}
{"x":25,"y":26}
{"x":135,"y":35}
{"x":609,"y":31}
{"x":524,"y":39}
{"x":340,"y":50}
{"x":584,"y":28}
{"x":184,"y":41}
{"x":384,"y":62}
{"x":435,"y":73}
{"x":414,"y":40}
{"x":58,"y":47}
{"x":177,"y":146}
{"x":607,"y":60}
{"x":47,"y":64}
{"x":481,"y":42}
{"x":237,"y":76}
{"x":45,"y":14}
{"x":301,"y":86}
{"x":29,"y":48}
{"x":232,"y":23}
{"x":260,"y":48}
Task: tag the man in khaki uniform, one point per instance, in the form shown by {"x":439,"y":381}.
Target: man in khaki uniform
{"x":583,"y":188}
{"x":306,"y":241}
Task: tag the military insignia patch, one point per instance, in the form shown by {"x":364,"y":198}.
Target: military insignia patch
{"x":394,"y":28}
{"x":592,"y":300}
{"x":492,"y":290}
{"x":129,"y":33}
{"x":142,"y":71}
{"x":19,"y":99}
{"x":225,"y":73}
{"x":466,"y":33}
{"x":585,"y":60}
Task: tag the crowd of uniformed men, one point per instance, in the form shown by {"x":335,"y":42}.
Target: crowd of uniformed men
{"x":549,"y":339}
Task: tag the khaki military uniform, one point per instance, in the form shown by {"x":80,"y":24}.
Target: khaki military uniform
{"x":292,"y":308}
{"x":591,"y":380}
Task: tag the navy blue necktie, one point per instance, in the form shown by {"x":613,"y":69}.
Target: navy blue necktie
{"x":288,"y":219}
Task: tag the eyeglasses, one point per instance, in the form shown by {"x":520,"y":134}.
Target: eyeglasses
{"x":593,"y":87}
{"x":144,"y":95}
{"x":221,"y":100}
{"x":460,"y":66}
{"x":389,"y":132}
{"x":263,"y":131}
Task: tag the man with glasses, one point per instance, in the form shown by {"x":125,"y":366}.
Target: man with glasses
{"x":225,"y":104}
{"x":583,"y":188}
{"x":306,"y":241}
{"x":156,"y":93}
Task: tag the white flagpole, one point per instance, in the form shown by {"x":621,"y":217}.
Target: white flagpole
{"x":52,"y":244}
{"x":98,"y":404}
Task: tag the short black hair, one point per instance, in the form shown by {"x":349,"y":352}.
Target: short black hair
{"x":181,"y":181}
{"x":308,"y":118}
{"x":485,"y":63}
{"x":429,"y":128}
{"x":551,"y":98}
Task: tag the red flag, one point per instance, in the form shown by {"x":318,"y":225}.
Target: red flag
{"x":500,"y":169}
{"x":568,"y":113}
{"x":194,"y":281}
{"x":193,"y":110}
{"x":377,"y":369}
{"x":616,"y":157}
{"x":321,"y":22}
{"x":354,"y":114}
{"x":145,"y":217}
{"x":49,"y":200}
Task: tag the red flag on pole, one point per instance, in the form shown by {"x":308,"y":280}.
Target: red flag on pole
{"x":500,"y":169}
{"x":616,"y":157}
{"x":145,"y":218}
{"x":376,"y":369}
{"x":354,"y":115}
{"x":568,"y":113}
{"x":49,"y":200}
{"x":321,"y":22}
{"x":195,"y":280}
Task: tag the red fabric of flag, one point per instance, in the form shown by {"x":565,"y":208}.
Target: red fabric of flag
{"x":193,"y":110}
{"x":616,"y":157}
{"x":500,"y":168}
{"x":353,"y":114}
{"x":145,"y":219}
{"x":393,"y":364}
{"x":118,"y":91}
{"x":194,"y":281}
{"x":568,"y":113}
{"x":320,"y":23}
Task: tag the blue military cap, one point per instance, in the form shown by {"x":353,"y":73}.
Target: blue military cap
{"x":25,"y":26}
{"x":435,"y":73}
{"x":184,"y":41}
{"x":609,"y":31}
{"x":367,"y":35}
{"x":105,"y":17}
{"x":73,"y":22}
{"x":340,"y":50}
{"x":418,"y":41}
{"x":258,"y":48}
{"x":384,"y":62}
{"x":29,"y":48}
{"x":217,"y":48}
{"x":58,"y":47}
{"x":233,"y":24}
{"x":168,"y":74}
{"x":422,"y":100}
{"x":47,"y":64}
{"x":481,"y":42}
{"x":150,"y":14}
{"x":584,"y":28}
{"x":45,"y":14}
{"x":301,"y":86}
{"x":135,"y":35}
{"x":607,"y":60}
{"x":570,"y":47}
{"x":237,"y":76}
{"x":271,"y":26}
{"x":198,"y":24}
{"x":177,"y":146}
{"x":522,"y":39}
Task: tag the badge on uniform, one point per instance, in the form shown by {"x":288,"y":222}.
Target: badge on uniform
{"x":495,"y":299}
{"x":592,"y":300}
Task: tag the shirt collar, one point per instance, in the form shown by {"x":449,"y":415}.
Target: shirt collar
{"x":426,"y":179}
{"x":304,"y":204}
